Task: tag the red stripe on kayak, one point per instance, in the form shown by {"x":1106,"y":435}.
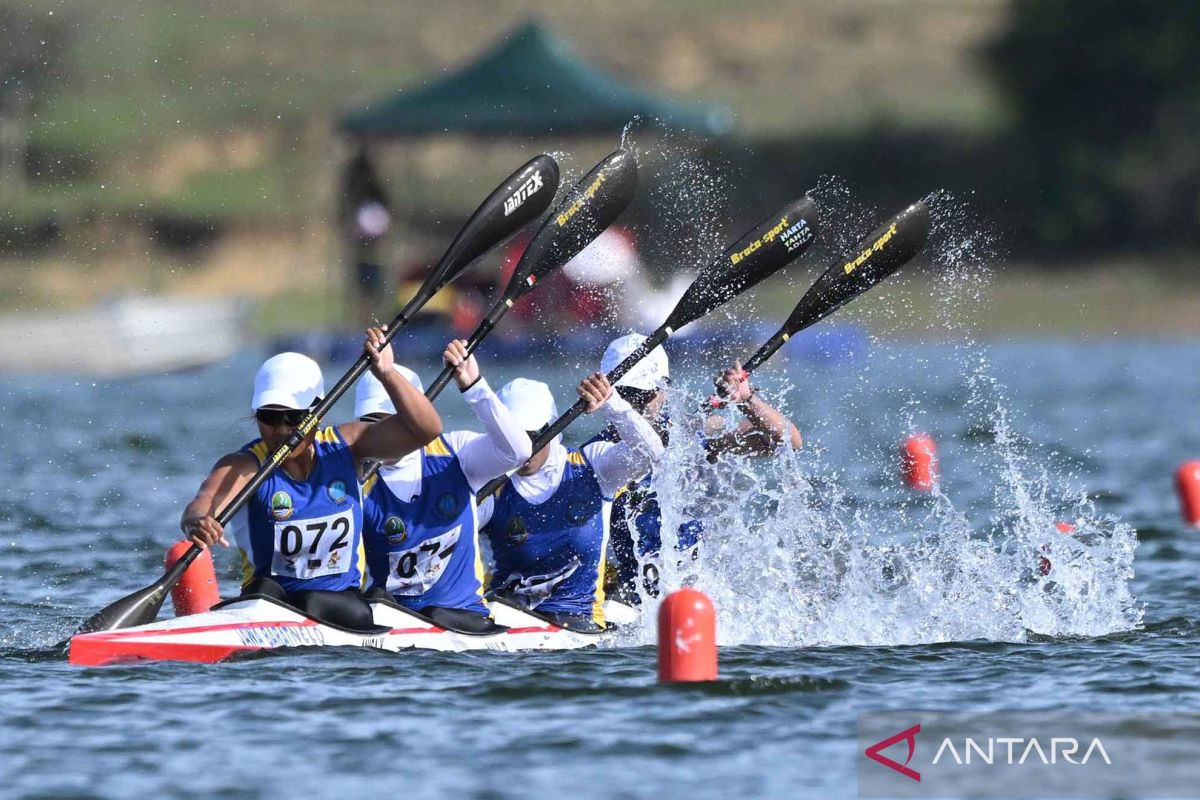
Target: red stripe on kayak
{"x":225,"y":626}
{"x":93,"y":653}
{"x":112,"y":647}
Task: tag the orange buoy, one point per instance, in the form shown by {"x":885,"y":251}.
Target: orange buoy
{"x":1044,"y":564}
{"x":920,"y":462}
{"x":196,"y":590}
{"x":1187,"y":481}
{"x":687,"y":637}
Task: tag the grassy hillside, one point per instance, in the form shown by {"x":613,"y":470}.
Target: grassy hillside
{"x":227,"y":108}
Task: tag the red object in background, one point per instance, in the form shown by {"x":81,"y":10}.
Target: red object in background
{"x":197,"y":590}
{"x":687,"y":637}
{"x":1187,"y":481}
{"x":1044,"y":565}
{"x":920,"y":462}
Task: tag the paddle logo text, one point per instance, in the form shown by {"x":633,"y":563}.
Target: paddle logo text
{"x":524,"y":193}
{"x":875,"y":247}
{"x":768,"y":237}
{"x":1004,"y":750}
{"x":563,"y":218}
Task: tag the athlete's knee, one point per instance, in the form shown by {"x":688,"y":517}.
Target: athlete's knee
{"x":345,"y":609}
{"x":268,"y":587}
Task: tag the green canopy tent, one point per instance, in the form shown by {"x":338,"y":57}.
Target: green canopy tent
{"x":531,"y":83}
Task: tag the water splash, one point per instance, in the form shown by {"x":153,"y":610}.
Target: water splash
{"x":825,"y":547}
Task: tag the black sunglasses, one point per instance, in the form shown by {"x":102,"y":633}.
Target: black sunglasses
{"x":638,"y":398}
{"x":273,"y":417}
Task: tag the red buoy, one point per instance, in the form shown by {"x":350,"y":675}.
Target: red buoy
{"x":1044,"y":564}
{"x":687,"y":637}
{"x":1187,"y":481}
{"x":196,"y":590}
{"x":920,"y":462}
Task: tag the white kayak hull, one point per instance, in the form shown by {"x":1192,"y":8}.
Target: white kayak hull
{"x":258,"y":624}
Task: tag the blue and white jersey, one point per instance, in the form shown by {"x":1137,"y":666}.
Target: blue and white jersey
{"x":635,"y":527}
{"x":305,"y":534}
{"x":636,"y":533}
{"x":423,"y":547}
{"x":550,"y":555}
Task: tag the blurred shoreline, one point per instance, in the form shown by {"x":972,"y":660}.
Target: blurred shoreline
{"x":295,"y":280}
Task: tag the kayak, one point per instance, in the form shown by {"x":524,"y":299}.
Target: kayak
{"x":251,"y":625}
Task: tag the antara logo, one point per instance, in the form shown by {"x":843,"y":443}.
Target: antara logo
{"x":875,"y":752}
{"x":991,"y":750}
{"x":528,"y":188}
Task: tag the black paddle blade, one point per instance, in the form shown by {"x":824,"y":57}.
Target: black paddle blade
{"x":588,"y":210}
{"x":763,"y":251}
{"x":516,"y":202}
{"x":139,"y":608}
{"x":887,"y":249}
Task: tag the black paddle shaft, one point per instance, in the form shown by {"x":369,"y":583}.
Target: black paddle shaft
{"x":592,"y":205}
{"x":764,"y":250}
{"x":522,"y":198}
{"x":879,"y":255}
{"x":534,"y":186}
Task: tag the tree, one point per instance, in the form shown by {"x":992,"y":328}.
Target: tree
{"x":29,"y":59}
{"x":1106,"y":101}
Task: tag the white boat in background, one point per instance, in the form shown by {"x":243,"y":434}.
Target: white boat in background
{"x":124,"y":336}
{"x":238,"y":627}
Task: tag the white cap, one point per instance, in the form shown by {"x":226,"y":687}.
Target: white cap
{"x":648,"y":374}
{"x":530,"y":402}
{"x":290,"y":380}
{"x":371,"y":398}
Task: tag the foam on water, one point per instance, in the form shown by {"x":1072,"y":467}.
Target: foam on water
{"x":825,"y":547}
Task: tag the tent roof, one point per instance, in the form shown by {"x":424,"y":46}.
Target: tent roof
{"x":530,"y":83}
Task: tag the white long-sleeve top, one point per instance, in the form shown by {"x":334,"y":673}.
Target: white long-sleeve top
{"x":615,"y":463}
{"x":503,"y":446}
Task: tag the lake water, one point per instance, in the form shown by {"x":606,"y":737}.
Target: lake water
{"x":840,"y":591}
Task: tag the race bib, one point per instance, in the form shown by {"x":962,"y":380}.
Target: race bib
{"x":529,"y":592}
{"x":415,"y":570}
{"x":312,"y":548}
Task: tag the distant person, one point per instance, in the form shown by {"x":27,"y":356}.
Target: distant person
{"x":367,"y":217}
{"x":546,"y":523}
{"x":421,"y":533}
{"x":636,"y":519}
{"x":300,"y":533}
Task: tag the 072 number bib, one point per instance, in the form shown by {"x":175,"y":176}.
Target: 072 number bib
{"x":313,"y":548}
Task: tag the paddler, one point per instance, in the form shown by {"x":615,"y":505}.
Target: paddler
{"x":421,"y":532}
{"x":300,"y":533}
{"x":547,"y":523}
{"x":636,"y":522}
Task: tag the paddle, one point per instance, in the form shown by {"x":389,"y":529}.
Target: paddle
{"x":879,"y":255}
{"x":522,"y":197}
{"x":592,"y":205}
{"x":764,"y":250}
{"x":589,"y":208}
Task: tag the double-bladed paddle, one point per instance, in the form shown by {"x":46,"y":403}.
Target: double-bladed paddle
{"x":761,"y":252}
{"x":879,"y":255}
{"x":588,"y":210}
{"x":522,"y":198}
{"x":592,"y":205}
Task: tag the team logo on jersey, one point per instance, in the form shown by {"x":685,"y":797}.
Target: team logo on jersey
{"x":579,"y":511}
{"x":447,"y":506}
{"x":517,"y":531}
{"x":337,"y":491}
{"x":395,"y":529}
{"x":281,"y":505}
